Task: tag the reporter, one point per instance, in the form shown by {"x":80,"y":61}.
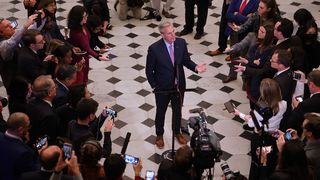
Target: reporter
{"x":91,"y":153}
{"x":271,"y":95}
{"x":292,"y":162}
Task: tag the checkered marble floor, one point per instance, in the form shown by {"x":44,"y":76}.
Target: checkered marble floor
{"x":122,"y":83}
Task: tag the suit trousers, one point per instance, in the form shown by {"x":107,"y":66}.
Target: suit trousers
{"x":223,"y":39}
{"x":202,"y":10}
{"x":123,"y":9}
{"x":162,"y":101}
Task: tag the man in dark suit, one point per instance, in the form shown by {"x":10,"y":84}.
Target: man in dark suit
{"x":281,"y":61}
{"x":16,"y":157}
{"x":29,"y":63}
{"x":49,"y":158}
{"x":202,"y":9}
{"x":308,"y":105}
{"x":66,"y":75}
{"x":43,"y":119}
{"x":164,"y":71}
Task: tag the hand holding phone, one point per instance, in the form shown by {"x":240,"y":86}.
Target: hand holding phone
{"x":67,"y":151}
{"x":287,"y":136}
{"x":150,"y":175}
{"x":299,"y":98}
{"x":41,"y":142}
{"x":229,"y":107}
{"x":131,"y":159}
{"x":296,"y":76}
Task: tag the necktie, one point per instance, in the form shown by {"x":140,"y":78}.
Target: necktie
{"x":243,"y":5}
{"x":171,"y":52}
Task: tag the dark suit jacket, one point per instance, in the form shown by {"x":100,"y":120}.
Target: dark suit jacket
{"x":309,"y":105}
{"x":61,"y":97}
{"x":159,"y":69}
{"x":29,"y":64}
{"x":16,"y":158}
{"x":287,"y":87}
{"x":43,"y":120}
{"x":239,"y":19}
{"x":41,"y":175}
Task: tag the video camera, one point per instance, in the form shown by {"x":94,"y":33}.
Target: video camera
{"x":204,"y":142}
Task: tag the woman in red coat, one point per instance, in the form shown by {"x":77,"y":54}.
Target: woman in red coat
{"x":80,"y":37}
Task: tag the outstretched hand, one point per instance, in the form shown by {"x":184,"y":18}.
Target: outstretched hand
{"x":201,"y":68}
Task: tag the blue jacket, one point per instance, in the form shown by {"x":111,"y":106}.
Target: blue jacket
{"x":15,"y":158}
{"x":239,"y":19}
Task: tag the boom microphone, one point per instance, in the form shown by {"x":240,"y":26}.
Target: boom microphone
{"x":126,"y":142}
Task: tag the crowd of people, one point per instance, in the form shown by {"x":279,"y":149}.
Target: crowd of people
{"x":53,"y":131}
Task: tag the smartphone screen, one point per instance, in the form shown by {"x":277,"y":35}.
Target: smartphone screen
{"x":268,"y":149}
{"x":14,"y":24}
{"x":287,"y":136}
{"x":67,"y":150}
{"x":42,"y":141}
{"x":296,"y":76}
{"x":299,"y":98}
{"x":150,"y":175}
{"x":131,"y":159}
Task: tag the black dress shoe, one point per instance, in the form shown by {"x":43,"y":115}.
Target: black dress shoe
{"x":148,"y":16}
{"x":246,"y":127}
{"x":157,"y":15}
{"x":228,"y":79}
{"x":166,"y":14}
{"x":184,"y":32}
{"x":198,"y":35}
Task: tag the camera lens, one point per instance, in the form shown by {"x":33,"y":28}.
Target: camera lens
{"x":4,"y":101}
{"x":226,"y":170}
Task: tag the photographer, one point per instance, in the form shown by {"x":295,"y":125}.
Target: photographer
{"x":9,"y":41}
{"x":87,"y":126}
{"x":308,"y":105}
{"x":271,"y":96}
{"x":179,"y":168}
{"x":115,"y":165}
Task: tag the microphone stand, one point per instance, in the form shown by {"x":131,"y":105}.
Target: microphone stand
{"x":169,"y":154}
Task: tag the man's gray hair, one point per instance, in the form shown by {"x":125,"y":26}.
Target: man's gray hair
{"x":42,"y":85}
{"x":163,"y":25}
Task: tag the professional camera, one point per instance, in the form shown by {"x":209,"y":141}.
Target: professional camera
{"x":4,"y":101}
{"x":230,"y":175}
{"x":204,"y":142}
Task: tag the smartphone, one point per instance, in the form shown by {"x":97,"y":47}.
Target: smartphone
{"x":299,"y":98}
{"x":14,"y":24}
{"x":287,"y":136}
{"x":39,"y":19}
{"x":109,"y":49}
{"x":296,"y":76}
{"x":41,"y":142}
{"x":131,"y":159}
{"x":150,"y":175}
{"x":80,"y":53}
{"x":67,"y":150}
{"x":229,"y":106}
{"x":268,"y":149}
